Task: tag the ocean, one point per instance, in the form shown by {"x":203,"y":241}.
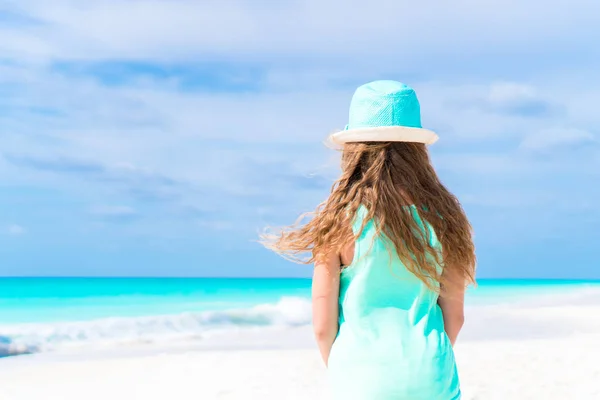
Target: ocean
{"x":54,"y":314}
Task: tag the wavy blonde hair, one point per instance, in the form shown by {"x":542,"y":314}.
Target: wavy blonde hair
{"x":385,"y":178}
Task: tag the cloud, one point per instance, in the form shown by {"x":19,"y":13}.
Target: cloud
{"x":281,"y":175}
{"x":196,"y":119}
{"x":559,"y":139}
{"x":519,"y":99}
{"x":184,"y":30}
{"x":217,"y":225}
{"x":60,"y":165}
{"x":156,"y":144}
{"x":119,"y":214}
{"x":135,"y":181}
{"x":15,"y":19}
{"x":221,"y":77}
{"x":15,"y":230}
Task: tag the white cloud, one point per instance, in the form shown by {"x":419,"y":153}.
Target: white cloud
{"x":173,"y":134}
{"x":15,"y":230}
{"x":151,"y":124}
{"x":113,"y":211}
{"x":184,"y":29}
{"x":507,"y":92}
{"x":558,"y":139}
{"x":217,"y":225}
{"x":520,"y":100}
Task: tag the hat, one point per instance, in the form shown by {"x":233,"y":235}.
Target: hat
{"x":384,"y":111}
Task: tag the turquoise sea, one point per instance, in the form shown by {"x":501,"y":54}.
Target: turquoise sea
{"x":46,"y":314}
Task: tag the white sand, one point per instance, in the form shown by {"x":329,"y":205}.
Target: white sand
{"x":538,"y":353}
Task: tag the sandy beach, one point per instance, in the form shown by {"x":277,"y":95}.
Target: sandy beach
{"x":539,"y":351}
{"x":527,"y":369}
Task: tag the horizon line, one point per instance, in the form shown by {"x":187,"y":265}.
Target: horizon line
{"x":265,"y":277}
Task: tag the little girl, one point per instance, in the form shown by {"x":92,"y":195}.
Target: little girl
{"x":393,"y":253}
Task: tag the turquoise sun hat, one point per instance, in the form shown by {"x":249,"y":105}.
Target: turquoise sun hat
{"x":384,"y":111}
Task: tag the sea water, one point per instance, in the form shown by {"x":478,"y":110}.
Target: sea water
{"x":50,"y":314}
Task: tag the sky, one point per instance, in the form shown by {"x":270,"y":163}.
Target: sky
{"x":158,"y":138}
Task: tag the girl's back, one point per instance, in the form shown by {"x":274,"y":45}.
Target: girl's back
{"x":391,"y":342}
{"x":386,"y":324}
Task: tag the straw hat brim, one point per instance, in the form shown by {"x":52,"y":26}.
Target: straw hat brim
{"x":385,"y":134}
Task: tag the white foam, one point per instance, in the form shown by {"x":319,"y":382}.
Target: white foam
{"x":272,"y":325}
{"x":27,"y":338}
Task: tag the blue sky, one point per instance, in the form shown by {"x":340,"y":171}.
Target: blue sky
{"x":158,"y":137}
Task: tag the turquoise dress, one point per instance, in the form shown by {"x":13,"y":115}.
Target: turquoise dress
{"x":391,"y":343}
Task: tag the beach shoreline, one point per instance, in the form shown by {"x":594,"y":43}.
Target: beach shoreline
{"x":540,"y":347}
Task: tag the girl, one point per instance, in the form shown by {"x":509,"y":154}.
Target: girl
{"x":393,"y":253}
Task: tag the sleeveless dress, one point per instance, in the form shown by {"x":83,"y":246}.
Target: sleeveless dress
{"x":391,"y":343}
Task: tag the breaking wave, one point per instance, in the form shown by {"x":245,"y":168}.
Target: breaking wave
{"x":33,"y":338}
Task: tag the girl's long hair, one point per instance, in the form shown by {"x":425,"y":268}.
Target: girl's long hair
{"x":385,"y":177}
